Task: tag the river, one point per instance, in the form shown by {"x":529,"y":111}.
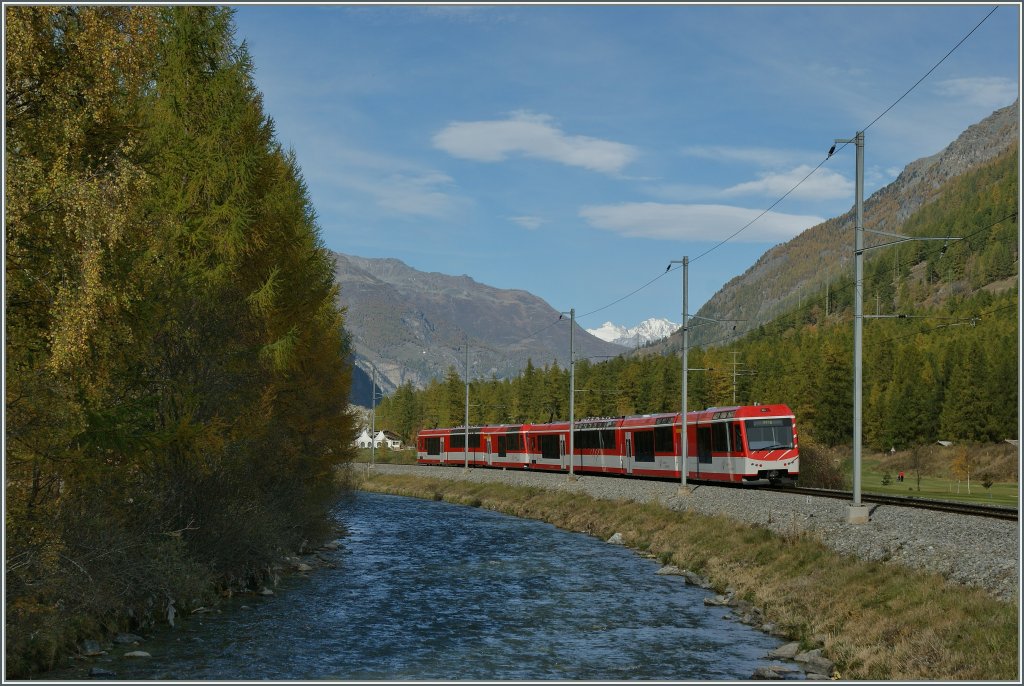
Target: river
{"x":428,"y":590}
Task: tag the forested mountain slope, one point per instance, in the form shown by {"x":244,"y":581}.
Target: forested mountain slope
{"x":789,"y":272}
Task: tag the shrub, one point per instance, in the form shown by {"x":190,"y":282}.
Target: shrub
{"x":820,"y":466}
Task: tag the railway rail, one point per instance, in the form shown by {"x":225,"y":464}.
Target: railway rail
{"x":974,"y":509}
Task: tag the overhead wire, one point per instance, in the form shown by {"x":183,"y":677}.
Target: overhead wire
{"x":809,"y":174}
{"x":928,"y":73}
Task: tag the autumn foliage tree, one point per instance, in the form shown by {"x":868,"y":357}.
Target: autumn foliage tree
{"x":176,"y":383}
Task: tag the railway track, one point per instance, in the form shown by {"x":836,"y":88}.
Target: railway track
{"x":991,"y":511}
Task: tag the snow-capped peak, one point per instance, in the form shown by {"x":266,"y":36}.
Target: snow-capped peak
{"x":609,"y":332}
{"x":650,"y":330}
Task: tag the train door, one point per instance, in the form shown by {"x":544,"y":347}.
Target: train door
{"x":488,"y":455}
{"x":627,"y":467}
{"x":561,"y":451}
{"x":703,"y":447}
{"x":735,"y":447}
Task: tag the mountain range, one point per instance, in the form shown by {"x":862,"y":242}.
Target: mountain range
{"x":414,"y":326}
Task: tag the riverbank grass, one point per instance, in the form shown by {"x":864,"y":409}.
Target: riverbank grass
{"x":877,"y":621}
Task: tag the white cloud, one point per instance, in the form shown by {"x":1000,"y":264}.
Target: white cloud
{"x":823,"y":184}
{"x":984,"y":91}
{"x":765,"y":157}
{"x":531,"y":135}
{"x":527,"y":222}
{"x":420,"y":195}
{"x":696,"y":222}
{"x":392,"y":184}
{"x":681,"y":192}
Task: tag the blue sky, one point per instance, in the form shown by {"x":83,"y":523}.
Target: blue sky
{"x":572,"y":151}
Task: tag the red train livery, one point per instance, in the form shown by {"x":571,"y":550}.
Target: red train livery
{"x":752,"y":444}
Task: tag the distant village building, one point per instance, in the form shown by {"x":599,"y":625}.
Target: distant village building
{"x":382,"y":438}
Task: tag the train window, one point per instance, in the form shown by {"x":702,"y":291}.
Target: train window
{"x":770,"y":434}
{"x":502,"y":451}
{"x":663,"y":440}
{"x":737,"y":437}
{"x":719,"y":437}
{"x":593,"y":439}
{"x":458,"y":441}
{"x":704,"y":444}
{"x":549,"y":447}
{"x":513,"y":441}
{"x":433,"y":445}
{"x":643,"y":446}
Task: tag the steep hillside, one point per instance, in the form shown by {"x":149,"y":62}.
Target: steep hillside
{"x":414,"y":325}
{"x":793,"y":270}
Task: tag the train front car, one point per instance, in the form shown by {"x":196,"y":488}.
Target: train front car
{"x":755,"y":444}
{"x":772,"y":448}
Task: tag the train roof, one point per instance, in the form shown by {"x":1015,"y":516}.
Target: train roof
{"x":739,"y":412}
{"x":667,"y":418}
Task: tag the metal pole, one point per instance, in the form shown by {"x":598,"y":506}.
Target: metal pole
{"x":857,"y":513}
{"x":734,"y":363}
{"x":858,"y":320}
{"x":373,"y":417}
{"x":572,"y":391}
{"x":465,"y":447}
{"x":684,"y":447}
{"x":684,"y":438}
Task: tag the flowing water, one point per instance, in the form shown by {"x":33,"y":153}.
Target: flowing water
{"x":430,"y":590}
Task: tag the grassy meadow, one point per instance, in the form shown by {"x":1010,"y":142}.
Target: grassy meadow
{"x":996,"y":464}
{"x":1000,"y":493}
{"x":878,"y":621}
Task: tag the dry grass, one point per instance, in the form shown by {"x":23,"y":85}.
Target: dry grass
{"x":878,"y":621}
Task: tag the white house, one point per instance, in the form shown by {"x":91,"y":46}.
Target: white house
{"x":385,"y":438}
{"x":363,"y":440}
{"x":392,"y":441}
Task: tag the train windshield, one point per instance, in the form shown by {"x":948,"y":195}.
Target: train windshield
{"x":769,"y":434}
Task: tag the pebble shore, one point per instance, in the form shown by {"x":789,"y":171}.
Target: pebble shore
{"x":972,"y":551}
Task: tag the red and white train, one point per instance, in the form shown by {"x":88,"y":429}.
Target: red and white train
{"x":752,"y":444}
